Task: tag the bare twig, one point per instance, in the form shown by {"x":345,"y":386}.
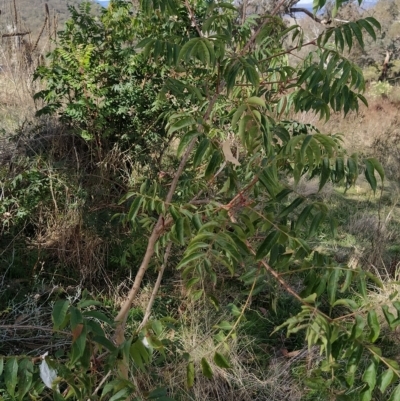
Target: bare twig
{"x":40,"y":34}
{"x":305,"y":11}
{"x":15,"y":14}
{"x":101,"y":383}
{"x":30,"y":327}
{"x":193,"y":18}
{"x":11,"y":35}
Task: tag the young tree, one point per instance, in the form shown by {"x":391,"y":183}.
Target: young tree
{"x":230,"y":203}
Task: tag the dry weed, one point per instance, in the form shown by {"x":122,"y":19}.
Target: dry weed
{"x":245,"y":381}
{"x":17,"y":85}
{"x":306,"y":187}
{"x":72,"y":244}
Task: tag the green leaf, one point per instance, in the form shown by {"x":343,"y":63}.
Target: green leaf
{"x":139,"y":354}
{"x":303,"y":216}
{"x":370,"y":174}
{"x":325,"y":172}
{"x":206,"y":369}
{"x":395,"y":396}
{"x":347,"y":280}
{"x":294,"y":205}
{"x":346,"y":302}
{"x":105,"y":342}
{"x":374,"y":22}
{"x":267,"y":244}
{"x":59,"y":313}
{"x":200,"y":48}
{"x":378,"y":167}
{"x":181,"y":124}
{"x":10,"y":375}
{"x":221,"y":361}
{"x":88,"y":302}
{"x":238,"y":114}
{"x":192,"y":282}
{"x":339,"y":169}
{"x":75,"y":316}
{"x":25,"y":374}
{"x":224,"y":325}
{"x":369,"y":375}
{"x":315,"y":223}
{"x":159,"y":394}
{"x":133,"y":210}
{"x":390,"y":318}
{"x":366,"y":394}
{"x":374,"y":326}
{"x":121,"y":395}
{"x":367,"y":26}
{"x":200,"y":151}
{"x":358,"y":328}
{"x":157,"y":327}
{"x":190,"y":258}
{"x":256,"y":101}
{"x":213,"y":165}
{"x":196,"y":295}
{"x":362,"y":285}
{"x":185,"y":141}
{"x":99,"y":316}
{"x":311,"y":298}
{"x":79,"y":343}
{"x":304,"y":146}
{"x":339,"y":41}
{"x":180,"y":230}
{"x":57,"y":396}
{"x":1,"y":365}
{"x":333,"y":282}
{"x":190,"y":374}
{"x":348,"y":35}
{"x":239,"y":243}
{"x":385,"y":379}
{"x":352,"y":166}
{"x":357,"y":33}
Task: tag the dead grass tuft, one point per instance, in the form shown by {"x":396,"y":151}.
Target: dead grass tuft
{"x":247,"y":380}
{"x":74,"y":246}
{"x":307,"y":187}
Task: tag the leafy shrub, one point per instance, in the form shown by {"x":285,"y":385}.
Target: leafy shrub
{"x":380,"y":89}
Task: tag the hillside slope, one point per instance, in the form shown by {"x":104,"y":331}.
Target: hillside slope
{"x":31,"y":14}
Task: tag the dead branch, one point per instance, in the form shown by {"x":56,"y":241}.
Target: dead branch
{"x":11,"y":35}
{"x":385,"y":67}
{"x":305,"y":11}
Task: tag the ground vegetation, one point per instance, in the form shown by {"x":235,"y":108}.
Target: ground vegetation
{"x":194,"y":211}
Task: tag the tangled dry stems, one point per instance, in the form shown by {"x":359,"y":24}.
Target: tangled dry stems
{"x":247,"y":380}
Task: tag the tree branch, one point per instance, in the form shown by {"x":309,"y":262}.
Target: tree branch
{"x":305,"y":11}
{"x":156,"y":286}
{"x":155,"y":235}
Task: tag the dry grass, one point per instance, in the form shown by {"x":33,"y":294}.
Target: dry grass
{"x":26,"y":325}
{"x":306,"y":187}
{"x":247,"y":380}
{"x":17,"y":85}
{"x":387,"y":294}
{"x":361,"y":129}
{"x":73,"y":245}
